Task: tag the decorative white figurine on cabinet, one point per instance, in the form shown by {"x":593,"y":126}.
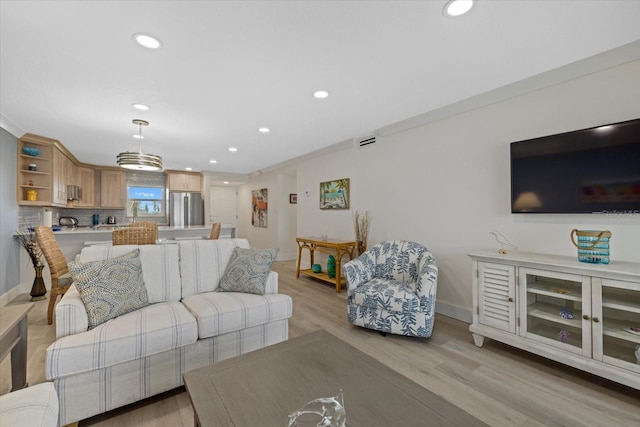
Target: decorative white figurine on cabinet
{"x":502,"y":239}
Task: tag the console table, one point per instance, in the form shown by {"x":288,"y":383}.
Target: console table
{"x":337,"y":248}
{"x":13,"y":339}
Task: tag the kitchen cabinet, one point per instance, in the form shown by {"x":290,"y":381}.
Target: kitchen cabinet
{"x":86,"y":179}
{"x":189,"y":182}
{"x":34,"y":171}
{"x":63,"y":174}
{"x":112,"y":188}
{"x":575,"y":313}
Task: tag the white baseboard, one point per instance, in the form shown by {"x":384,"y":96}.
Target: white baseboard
{"x":455,"y":312}
{"x":10,"y":295}
{"x":284,"y":256}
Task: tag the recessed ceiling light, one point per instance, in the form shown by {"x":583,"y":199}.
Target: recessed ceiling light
{"x":264,"y":130}
{"x":138,"y":136}
{"x":213,"y":161}
{"x":141,"y":107}
{"x":188,"y":169}
{"x":320,"y":94}
{"x":147,"y":41}
{"x":225,"y":182}
{"x":457,"y":7}
{"x":233,"y":149}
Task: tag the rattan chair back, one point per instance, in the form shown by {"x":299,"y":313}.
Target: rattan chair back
{"x":215,"y":231}
{"x":153,"y":226}
{"x":134,"y":236}
{"x":57,"y":265}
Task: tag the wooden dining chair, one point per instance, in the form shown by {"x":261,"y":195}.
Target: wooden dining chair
{"x":134,"y":236}
{"x":215,"y":231}
{"x":58,"y":267}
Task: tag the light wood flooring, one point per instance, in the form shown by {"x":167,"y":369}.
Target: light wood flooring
{"x":498,"y":384}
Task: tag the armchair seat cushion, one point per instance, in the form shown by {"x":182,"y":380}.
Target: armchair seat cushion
{"x":396,"y":297}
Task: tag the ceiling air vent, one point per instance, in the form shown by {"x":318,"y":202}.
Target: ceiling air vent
{"x":367,"y":141}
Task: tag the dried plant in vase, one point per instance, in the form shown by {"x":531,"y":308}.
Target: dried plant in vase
{"x":29,"y":242}
{"x":362,"y":223}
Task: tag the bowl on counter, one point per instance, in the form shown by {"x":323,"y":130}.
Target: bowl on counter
{"x":30,"y":151}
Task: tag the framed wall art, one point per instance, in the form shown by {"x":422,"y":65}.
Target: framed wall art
{"x":259,"y":205}
{"x":334,"y":194}
{"x":293,"y":198}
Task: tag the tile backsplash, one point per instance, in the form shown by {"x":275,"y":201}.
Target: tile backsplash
{"x":29,"y":216}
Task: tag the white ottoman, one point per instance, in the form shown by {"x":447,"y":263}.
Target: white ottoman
{"x":30,"y":407}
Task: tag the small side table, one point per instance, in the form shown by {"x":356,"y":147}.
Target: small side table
{"x":338,"y":248}
{"x":13,"y":339}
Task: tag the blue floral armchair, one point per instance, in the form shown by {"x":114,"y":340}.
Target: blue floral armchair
{"x":392,"y":288}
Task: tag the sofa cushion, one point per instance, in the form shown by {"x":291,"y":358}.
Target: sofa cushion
{"x":221,"y":312}
{"x":160,"y":267}
{"x":203,"y":262}
{"x":144,"y":332}
{"x":247,"y":270}
{"x":111,"y":287}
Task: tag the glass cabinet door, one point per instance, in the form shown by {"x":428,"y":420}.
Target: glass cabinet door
{"x":552,"y":309}
{"x":616,"y":324}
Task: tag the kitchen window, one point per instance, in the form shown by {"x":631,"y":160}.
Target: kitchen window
{"x":145,"y":202}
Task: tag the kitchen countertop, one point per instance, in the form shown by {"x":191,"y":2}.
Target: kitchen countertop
{"x":108,"y":228}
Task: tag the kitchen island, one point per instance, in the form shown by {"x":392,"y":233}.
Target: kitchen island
{"x":73,"y":239}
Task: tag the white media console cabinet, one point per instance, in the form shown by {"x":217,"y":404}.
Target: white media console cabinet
{"x":579,"y":314}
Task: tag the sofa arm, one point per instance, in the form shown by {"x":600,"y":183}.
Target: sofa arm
{"x":271,"y":286}
{"x":71,"y":315}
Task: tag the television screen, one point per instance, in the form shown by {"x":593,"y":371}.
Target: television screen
{"x":594,"y":170}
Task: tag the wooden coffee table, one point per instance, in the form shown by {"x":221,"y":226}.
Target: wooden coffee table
{"x":263,"y":387}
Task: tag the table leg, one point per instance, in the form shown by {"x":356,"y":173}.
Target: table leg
{"x":299,"y":256}
{"x":338,"y":275}
{"x":19,"y":358}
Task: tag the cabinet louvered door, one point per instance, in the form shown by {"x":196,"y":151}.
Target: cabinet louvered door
{"x":496,"y":296}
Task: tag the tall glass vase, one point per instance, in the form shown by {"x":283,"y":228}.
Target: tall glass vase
{"x":38,"y":290}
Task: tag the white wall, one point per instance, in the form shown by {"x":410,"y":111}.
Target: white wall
{"x":281,"y":218}
{"x":446,"y":184}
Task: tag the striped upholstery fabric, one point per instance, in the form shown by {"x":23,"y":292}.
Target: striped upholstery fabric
{"x":71,"y":315}
{"x":150,"y":330}
{"x":222,"y":312}
{"x":160,"y":267}
{"x":95,"y":392}
{"x":203,"y":263}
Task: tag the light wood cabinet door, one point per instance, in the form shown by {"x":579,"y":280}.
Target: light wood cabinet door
{"x":86,"y":178}
{"x":60,"y":174}
{"x":184,"y":182}
{"x":112,"y":189}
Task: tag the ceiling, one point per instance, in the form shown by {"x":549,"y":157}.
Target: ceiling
{"x":70,"y":70}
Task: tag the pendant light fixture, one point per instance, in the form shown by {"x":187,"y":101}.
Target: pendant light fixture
{"x":139,"y":161}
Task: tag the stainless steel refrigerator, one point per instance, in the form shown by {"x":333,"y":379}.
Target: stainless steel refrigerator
{"x":186,"y":209}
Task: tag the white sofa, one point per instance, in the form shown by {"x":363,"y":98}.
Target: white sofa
{"x":186,"y":326}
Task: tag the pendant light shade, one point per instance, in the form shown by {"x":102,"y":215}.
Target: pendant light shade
{"x":139,"y":161}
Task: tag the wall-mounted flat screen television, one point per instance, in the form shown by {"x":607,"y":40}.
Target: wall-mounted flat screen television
{"x":595,"y":170}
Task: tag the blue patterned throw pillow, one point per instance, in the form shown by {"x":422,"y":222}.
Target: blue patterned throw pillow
{"x":111,"y":287}
{"x":247,"y":271}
